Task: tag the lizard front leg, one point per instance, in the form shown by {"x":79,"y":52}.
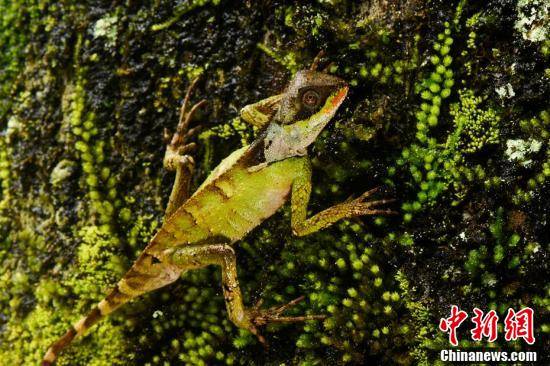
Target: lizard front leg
{"x":260,"y":113}
{"x":301,"y":191}
{"x":223,"y":255}
{"x":176,"y":157}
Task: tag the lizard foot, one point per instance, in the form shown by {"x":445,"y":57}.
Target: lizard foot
{"x":361,"y":206}
{"x":178,"y":146}
{"x":259,"y":317}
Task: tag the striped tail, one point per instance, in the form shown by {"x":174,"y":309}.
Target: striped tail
{"x":114,"y":300}
{"x":144,"y":276}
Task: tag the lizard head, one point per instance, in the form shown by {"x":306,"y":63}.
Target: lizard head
{"x":309,"y":93}
{"x":295,"y":118}
{"x":309,"y":103}
{"x":311,"y":97}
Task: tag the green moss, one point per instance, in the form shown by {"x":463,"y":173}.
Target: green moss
{"x":234,"y":128}
{"x":286,"y":59}
{"x":343,"y":280}
{"x":475,"y":127}
{"x":99,"y":181}
{"x":97,"y":270}
{"x":436,"y":167}
{"x":5,"y":173}
{"x":523,"y":151}
{"x":180,"y":10}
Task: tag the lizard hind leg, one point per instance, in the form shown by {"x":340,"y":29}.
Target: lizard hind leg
{"x":198,"y":256}
{"x":223,"y":255}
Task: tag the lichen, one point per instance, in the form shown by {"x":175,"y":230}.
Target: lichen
{"x":520,"y":151}
{"x":62,"y":171}
{"x":533,"y":20}
{"x":106,"y":27}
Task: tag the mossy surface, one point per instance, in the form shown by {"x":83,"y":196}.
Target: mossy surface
{"x":448,"y":109}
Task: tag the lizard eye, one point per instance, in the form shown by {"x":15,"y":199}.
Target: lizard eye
{"x":311,"y":98}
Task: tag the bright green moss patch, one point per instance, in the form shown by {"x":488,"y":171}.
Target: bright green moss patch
{"x":475,"y":127}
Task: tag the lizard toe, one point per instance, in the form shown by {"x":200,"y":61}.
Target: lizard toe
{"x":260,"y":317}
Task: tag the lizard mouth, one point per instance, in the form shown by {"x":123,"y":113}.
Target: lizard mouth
{"x":335,"y":100}
{"x":340,"y":96}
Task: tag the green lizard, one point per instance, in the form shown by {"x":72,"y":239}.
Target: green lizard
{"x":248,"y":186}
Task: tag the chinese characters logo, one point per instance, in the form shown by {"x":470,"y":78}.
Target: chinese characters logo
{"x":516,"y":325}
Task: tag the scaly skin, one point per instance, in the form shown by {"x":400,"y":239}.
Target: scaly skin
{"x":246,"y":188}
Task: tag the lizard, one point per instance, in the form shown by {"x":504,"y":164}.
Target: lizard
{"x":246,"y":188}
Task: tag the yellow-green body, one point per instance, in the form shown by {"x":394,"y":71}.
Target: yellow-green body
{"x":232,"y":201}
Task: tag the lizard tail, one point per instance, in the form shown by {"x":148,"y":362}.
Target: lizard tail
{"x":114,"y":300}
{"x":144,"y":276}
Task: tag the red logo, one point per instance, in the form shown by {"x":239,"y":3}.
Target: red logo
{"x":519,"y":325}
{"x":516,"y":325}
{"x":485,"y":326}
{"x":451,"y":323}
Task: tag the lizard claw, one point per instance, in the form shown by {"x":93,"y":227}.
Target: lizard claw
{"x":361,"y":206}
{"x":369,"y":193}
{"x":260,"y":317}
{"x":178,"y":147}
